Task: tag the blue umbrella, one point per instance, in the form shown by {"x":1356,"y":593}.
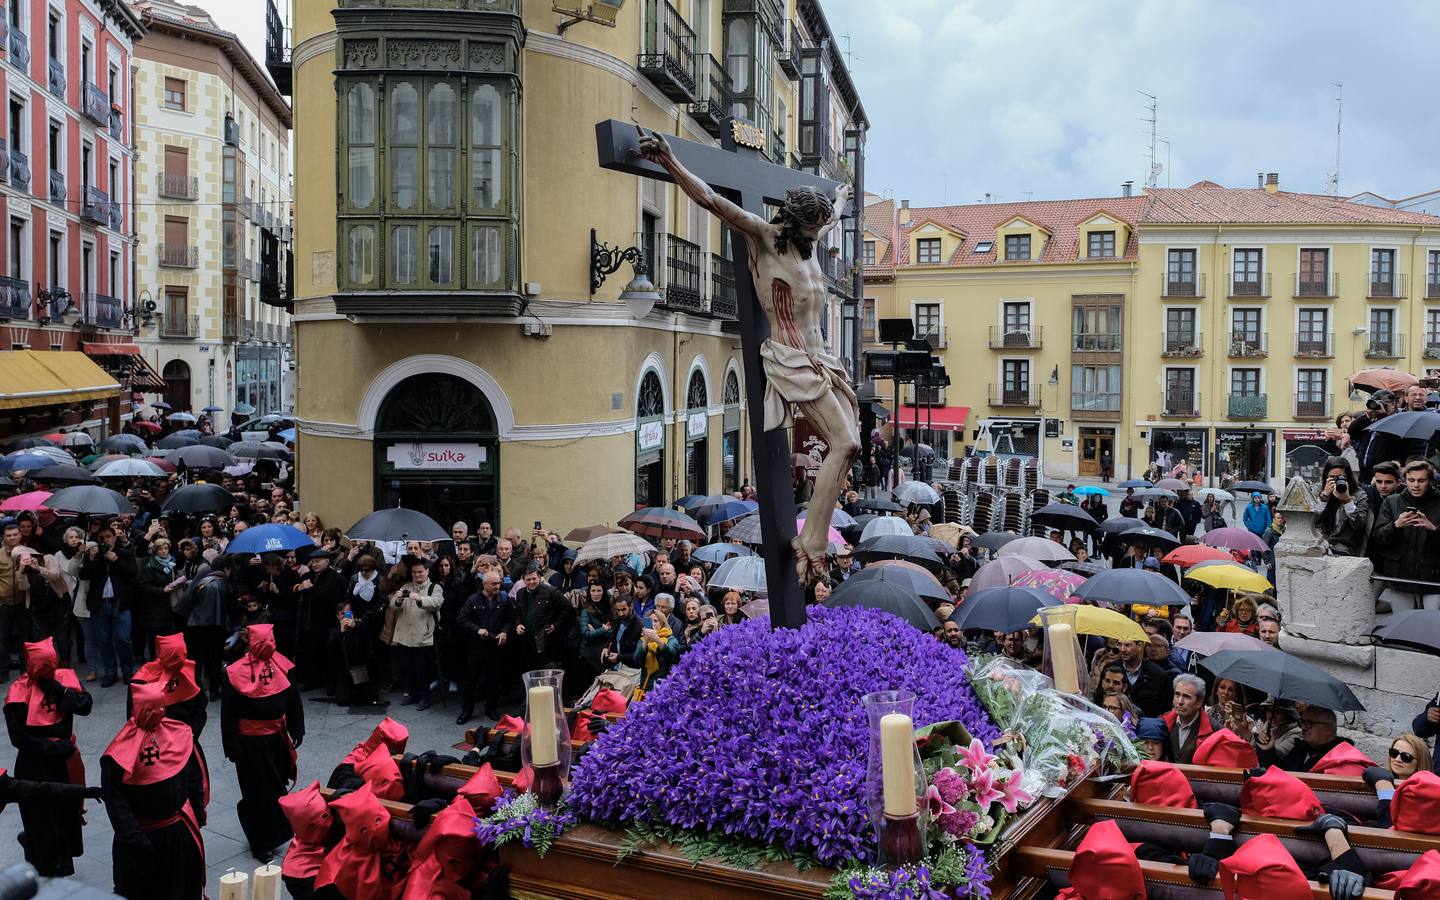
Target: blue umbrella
{"x":25,"y":461}
{"x":288,"y":435}
{"x":1089,"y":489}
{"x":269,"y":539}
{"x":718,"y":553}
{"x":213,"y":409}
{"x":1135,"y":483}
{"x":726,"y":512}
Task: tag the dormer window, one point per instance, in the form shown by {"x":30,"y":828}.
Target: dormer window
{"x":1017,"y":246}
{"x":983,"y":247}
{"x":927,"y":251}
{"x":1101,"y":245}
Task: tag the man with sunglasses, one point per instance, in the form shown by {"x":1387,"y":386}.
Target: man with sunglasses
{"x":1317,"y":738}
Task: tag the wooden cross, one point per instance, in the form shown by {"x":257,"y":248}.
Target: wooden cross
{"x":736,"y":170}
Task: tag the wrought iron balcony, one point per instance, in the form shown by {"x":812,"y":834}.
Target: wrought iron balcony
{"x":1002,"y":395}
{"x":4,"y":27}
{"x":179,"y":325}
{"x":1179,"y":286}
{"x":1028,"y":337}
{"x":14,"y":298}
{"x":1312,"y":406}
{"x":1432,"y":349}
{"x":1247,"y":406}
{"x":179,"y":256}
{"x":788,"y":56}
{"x":57,"y":188}
{"x":682,"y":276}
{"x":925,"y":395}
{"x":277,"y":49}
{"x":1385,"y":346}
{"x":1315,"y":285}
{"x":712,"y":104}
{"x":1250,"y":285}
{"x":1097,"y":343}
{"x":1389,"y":287}
{"x":668,"y":55}
{"x":19,"y":48}
{"x":937,"y":336}
{"x":1095,"y":404}
{"x":247,"y":269}
{"x":95,"y":206}
{"x":55,"y":70}
{"x":723,"y":304}
{"x":229,"y":327}
{"x":95,"y":104}
{"x":1182,"y":344}
{"x":178,"y":187}
{"x":1179,"y":404}
{"x":59,"y":301}
{"x":103,"y":312}
{"x":1249,"y":345}
{"x":1314,"y":346}
{"x":4,"y":161}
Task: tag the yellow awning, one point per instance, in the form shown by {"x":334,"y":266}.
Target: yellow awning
{"x":46,"y":377}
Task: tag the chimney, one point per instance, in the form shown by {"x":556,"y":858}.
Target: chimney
{"x":1260,"y":180}
{"x":1126,"y":188}
{"x":1272,"y":182}
{"x":904,"y":212}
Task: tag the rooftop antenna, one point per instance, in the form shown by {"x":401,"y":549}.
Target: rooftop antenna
{"x":850,"y":57}
{"x":945,"y":193}
{"x":1166,"y":142}
{"x":1333,"y":188}
{"x":1150,"y":180}
{"x":1029,"y":195}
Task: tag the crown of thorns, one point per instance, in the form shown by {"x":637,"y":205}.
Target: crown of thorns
{"x":808,"y":205}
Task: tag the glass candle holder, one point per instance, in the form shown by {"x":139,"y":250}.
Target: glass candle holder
{"x":1063,"y":661}
{"x":895,"y":777}
{"x":545,"y":742}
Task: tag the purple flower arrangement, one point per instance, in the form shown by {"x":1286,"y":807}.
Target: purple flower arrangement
{"x":520,"y":817}
{"x":760,"y":734}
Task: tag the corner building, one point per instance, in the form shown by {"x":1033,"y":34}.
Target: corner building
{"x":453,"y":353}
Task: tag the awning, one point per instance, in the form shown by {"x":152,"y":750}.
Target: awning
{"x":143,"y":376}
{"x":940,"y":418}
{"x":46,"y":377}
{"x":96,"y":349}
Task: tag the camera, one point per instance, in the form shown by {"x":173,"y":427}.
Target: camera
{"x":1341,"y":485}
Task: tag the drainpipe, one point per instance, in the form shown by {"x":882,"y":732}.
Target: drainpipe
{"x":1216,"y":320}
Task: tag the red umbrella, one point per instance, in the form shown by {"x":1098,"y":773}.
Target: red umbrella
{"x":1190,"y":554}
{"x":658,"y":523}
{"x":1373,"y":380}
{"x":149,"y":426}
{"x":1234,"y":539}
{"x":163,"y":463}
{"x":32,"y":501}
{"x":56,"y":438}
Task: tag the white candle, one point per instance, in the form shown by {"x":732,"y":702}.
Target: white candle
{"x":234,"y":886}
{"x":1062,"y":657}
{"x":543,"y":749}
{"x":267,"y":883}
{"x":897,"y":763}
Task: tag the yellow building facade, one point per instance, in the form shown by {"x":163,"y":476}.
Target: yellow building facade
{"x":1215,"y":326}
{"x":454,"y":353}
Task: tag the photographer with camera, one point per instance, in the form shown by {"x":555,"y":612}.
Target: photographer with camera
{"x":1407,"y":540}
{"x":1372,"y":447}
{"x":1345,"y":520}
{"x":417,"y":605}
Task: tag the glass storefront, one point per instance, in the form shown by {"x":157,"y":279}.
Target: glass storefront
{"x":1305,"y":453}
{"x":257,"y":378}
{"x":1244,"y":454}
{"x":1170,"y":446}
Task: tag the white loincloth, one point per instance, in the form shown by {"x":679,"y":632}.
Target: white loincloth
{"x":794,"y":376}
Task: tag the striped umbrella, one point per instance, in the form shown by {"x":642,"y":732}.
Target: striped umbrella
{"x":607,"y":545}
{"x":746,"y":531}
{"x":1054,"y":582}
{"x":660,"y":522}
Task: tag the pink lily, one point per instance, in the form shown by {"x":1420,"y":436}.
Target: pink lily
{"x":935,"y":804}
{"x":983,"y":788}
{"x":975,"y":758}
{"x":1012,"y":795}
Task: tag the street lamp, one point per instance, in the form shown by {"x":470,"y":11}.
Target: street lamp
{"x":49,"y":298}
{"x":640,"y":295}
{"x":147,"y":313}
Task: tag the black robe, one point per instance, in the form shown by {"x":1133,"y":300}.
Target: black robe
{"x":52,"y":830}
{"x":156,"y":863}
{"x":263,"y":763}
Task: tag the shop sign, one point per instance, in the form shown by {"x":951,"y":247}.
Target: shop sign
{"x":696,"y":425}
{"x":429,"y":455}
{"x":650,"y":435}
{"x":1307,"y":435}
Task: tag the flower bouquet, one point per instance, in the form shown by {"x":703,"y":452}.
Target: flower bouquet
{"x":971,"y":791}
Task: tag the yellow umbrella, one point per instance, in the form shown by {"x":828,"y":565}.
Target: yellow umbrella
{"x":950,"y":533}
{"x":1232,"y":576}
{"x":1105,"y":623}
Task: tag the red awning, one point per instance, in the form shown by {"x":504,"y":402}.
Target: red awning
{"x":940,"y":418}
{"x":95,"y":349}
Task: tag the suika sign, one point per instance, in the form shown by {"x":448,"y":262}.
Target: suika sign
{"x":426,"y":455}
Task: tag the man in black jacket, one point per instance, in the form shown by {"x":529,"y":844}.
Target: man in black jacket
{"x":627,"y":627}
{"x":1168,"y":518}
{"x":1373,"y":446}
{"x":320,"y":594}
{"x":1190,"y":513}
{"x":110,"y":570}
{"x":538,"y":616}
{"x":1150,"y":685}
{"x":1407,"y":539}
{"x":1317,"y":738}
{"x":484,"y":624}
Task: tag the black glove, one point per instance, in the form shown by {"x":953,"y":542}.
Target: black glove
{"x":1346,"y":885}
{"x":94,"y":793}
{"x":1375,"y":774}
{"x":1203,"y":868}
{"x":471,"y":759}
{"x":422,"y":812}
{"x":1222,"y":812}
{"x":1256,"y":772}
{"x":50,"y":687}
{"x":1323,"y":823}
{"x":438,"y":762}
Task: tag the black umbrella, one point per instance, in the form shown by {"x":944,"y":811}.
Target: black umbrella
{"x":1254,"y":487}
{"x":123,"y":443}
{"x":1001,"y":608}
{"x":746,"y":531}
{"x":1128,"y":586}
{"x":879,"y":504}
{"x":921,"y":584}
{"x":92,"y":500}
{"x":261,"y":450}
{"x":176,"y":441}
{"x":217,"y":440}
{"x":994,"y":540}
{"x":852,"y":532}
{"x":1086,"y":568}
{"x":899,"y":546}
{"x":25,"y":443}
{"x":1155,"y":493}
{"x":202,"y":457}
{"x":1066,"y":516}
{"x":1417,"y":628}
{"x":1284,"y":676}
{"x":1409,"y":425}
{"x":397,"y":524}
{"x":1119,"y":524}
{"x":886,"y":595}
{"x":198,"y":498}
{"x":1145,"y":536}
{"x":65,"y":475}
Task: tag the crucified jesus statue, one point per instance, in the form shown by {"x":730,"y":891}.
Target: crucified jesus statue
{"x":799,"y":374}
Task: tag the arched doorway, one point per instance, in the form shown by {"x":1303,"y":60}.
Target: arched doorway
{"x":697,"y":432}
{"x":177,"y":384}
{"x":650,"y":442}
{"x":437,"y":450}
{"x":730,"y":441}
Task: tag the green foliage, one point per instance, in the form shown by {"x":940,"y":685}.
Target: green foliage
{"x":699,"y":846}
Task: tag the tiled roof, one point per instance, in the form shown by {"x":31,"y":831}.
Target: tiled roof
{"x":1060,"y":217}
{"x":880,"y":220}
{"x":1170,"y":206}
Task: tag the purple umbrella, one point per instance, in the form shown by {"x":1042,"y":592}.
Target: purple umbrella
{"x":1003,"y":571}
{"x":1234,"y":539}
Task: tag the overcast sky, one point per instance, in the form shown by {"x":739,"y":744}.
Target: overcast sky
{"x":1040,"y":98}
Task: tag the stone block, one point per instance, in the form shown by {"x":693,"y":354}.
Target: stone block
{"x":1386,"y":714}
{"x":1409,"y":672}
{"x":1351,"y":663}
{"x":1328,"y":598}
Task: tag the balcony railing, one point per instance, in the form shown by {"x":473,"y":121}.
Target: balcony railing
{"x":1385,"y":346}
{"x":1183,"y":287}
{"x":19,"y":48}
{"x":1432,"y":348}
{"x":1249,"y":345}
{"x":938,"y":336}
{"x":277,"y":48}
{"x":1247,"y":406}
{"x":921,"y":395}
{"x":247,"y":269}
{"x":102,"y":311}
{"x":4,"y":161}
{"x":1250,"y":285}
{"x":1315,"y":285}
{"x":1391,"y":287}
{"x":227,"y":257}
{"x":788,"y":56}
{"x":95,"y":206}
{"x":1179,"y":404}
{"x":96,"y":104}
{"x":668,"y":55}
{"x":19,"y":170}
{"x":1027,"y":338}
{"x":1183,"y":344}
{"x":179,"y":256}
{"x":1095,"y":404}
{"x":723,"y":303}
{"x":179,"y":325}
{"x":4,"y":27}
{"x":1027,"y":395}
{"x":57,"y":188}
{"x":229,"y":327}
{"x":1312,"y":406}
{"x":712,"y":103}
{"x":55,"y":71}
{"x":1315,"y":346}
{"x":1097,"y":343}
{"x":178,"y":187}
{"x":682,"y":276}
{"x":14,"y":298}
